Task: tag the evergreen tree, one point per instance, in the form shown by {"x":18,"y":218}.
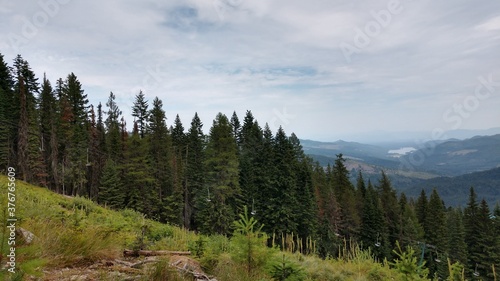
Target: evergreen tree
{"x":195,"y":174}
{"x":28,"y":138}
{"x":263,"y":200}
{"x":160,"y":151}
{"x":345,"y":192}
{"x":373,"y":234}
{"x":435,"y":235}
{"x":141,"y":113}
{"x":473,"y":231}
{"x":487,"y":242}
{"x":249,"y":138}
{"x":390,"y":208}
{"x":111,"y":191}
{"x":457,"y":249}
{"x":421,"y":208}
{"x":179,"y":163}
{"x":139,"y":183}
{"x":7,"y":114}
{"x":78,"y":143}
{"x":48,"y":127}
{"x":236,"y":126}
{"x":222,"y":179}
{"x":305,"y":191}
{"x":283,"y":198}
{"x":114,"y":144}
{"x":411,"y":230}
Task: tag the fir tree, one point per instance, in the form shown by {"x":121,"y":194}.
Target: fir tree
{"x":139,"y":183}
{"x":435,"y":234}
{"x":390,"y":208}
{"x":7,"y":114}
{"x":222,"y":178}
{"x":111,"y":192}
{"x":345,"y":192}
{"x":473,"y":231}
{"x":160,"y":151}
{"x":457,"y":249}
{"x":195,"y":173}
{"x":114,"y":145}
{"x":141,"y":113}
{"x":421,"y":207}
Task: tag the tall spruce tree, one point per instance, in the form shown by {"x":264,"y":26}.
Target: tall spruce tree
{"x":48,"y":127}
{"x":138,"y":180}
{"x":390,"y":208}
{"x":373,"y":234}
{"x":141,"y":113}
{"x":222,"y":179}
{"x":345,"y":192}
{"x":435,"y":235}
{"x":111,"y":192}
{"x":457,"y":249}
{"x":160,"y":151}
{"x":7,"y":115}
{"x":195,"y":174}
{"x":472,"y":232}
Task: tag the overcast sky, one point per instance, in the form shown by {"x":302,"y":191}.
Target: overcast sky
{"x":323,"y":69}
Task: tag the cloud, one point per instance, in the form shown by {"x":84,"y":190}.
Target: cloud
{"x":273,"y":56}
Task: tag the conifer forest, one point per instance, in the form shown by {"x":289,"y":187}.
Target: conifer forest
{"x":201,"y":174}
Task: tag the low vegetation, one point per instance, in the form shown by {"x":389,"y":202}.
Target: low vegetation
{"x":74,"y":233}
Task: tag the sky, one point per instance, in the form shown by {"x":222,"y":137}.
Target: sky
{"x":323,"y":69}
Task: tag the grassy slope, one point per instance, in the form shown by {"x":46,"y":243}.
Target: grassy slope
{"x":75,"y":232}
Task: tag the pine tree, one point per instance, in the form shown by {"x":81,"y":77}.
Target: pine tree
{"x":249,"y":139}
{"x":345,"y":192}
{"x":473,"y":231}
{"x":222,"y":179}
{"x":141,"y":113}
{"x":236,"y":126}
{"x":457,"y":249}
{"x":181,"y":190}
{"x":284,"y":194}
{"x":307,"y":223}
{"x":195,"y":174}
{"x":435,"y":234}
{"x":7,"y":121}
{"x":114,"y":145}
{"x":263,"y":200}
{"x":160,"y":151}
{"x":390,"y":208}
{"x":48,"y":118}
{"x":421,"y":208}
{"x":487,"y":241}
{"x":373,"y":234}
{"x":111,"y":191}
{"x":28,"y":144}
{"x":139,"y":183}
{"x":411,"y":230}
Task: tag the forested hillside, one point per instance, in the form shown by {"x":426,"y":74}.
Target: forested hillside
{"x":180,"y":175}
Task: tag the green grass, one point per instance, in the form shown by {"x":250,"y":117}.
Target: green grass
{"x":76,"y":232}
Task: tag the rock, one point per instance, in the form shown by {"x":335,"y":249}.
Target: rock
{"x":26,"y":235}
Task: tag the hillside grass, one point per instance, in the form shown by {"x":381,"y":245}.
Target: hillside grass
{"x":75,"y":232}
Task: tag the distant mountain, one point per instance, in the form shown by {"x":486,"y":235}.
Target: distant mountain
{"x":452,"y":166}
{"x":456,"y":157}
{"x":455,"y":190}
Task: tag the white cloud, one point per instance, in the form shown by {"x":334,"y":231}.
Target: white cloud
{"x":225,"y":55}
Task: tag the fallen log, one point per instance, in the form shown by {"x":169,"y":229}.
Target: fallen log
{"x":136,"y":253}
